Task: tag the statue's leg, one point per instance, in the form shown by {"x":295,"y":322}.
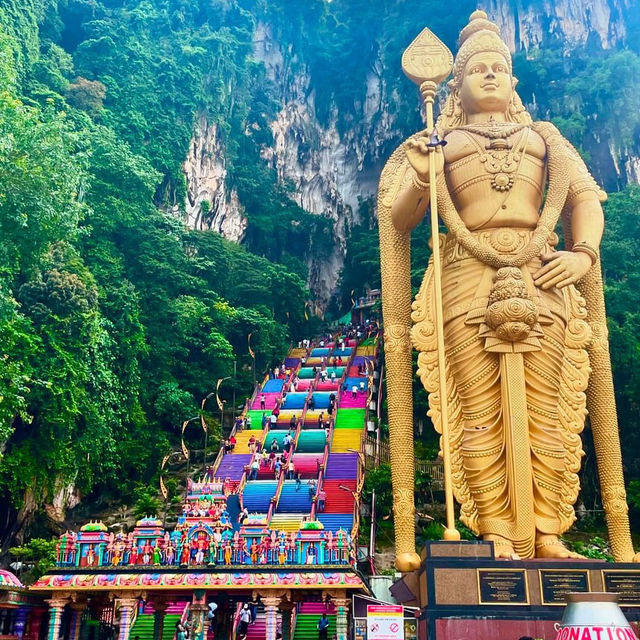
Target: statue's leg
{"x":477,"y":376}
{"x":548,"y":452}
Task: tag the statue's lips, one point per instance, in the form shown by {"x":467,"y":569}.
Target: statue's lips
{"x":490,"y":85}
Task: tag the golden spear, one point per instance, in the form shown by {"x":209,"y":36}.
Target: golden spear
{"x":427,"y":62}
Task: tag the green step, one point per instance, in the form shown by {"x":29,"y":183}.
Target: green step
{"x":307,"y":626}
{"x":311,"y":441}
{"x":256,"y":419}
{"x":350,"y":419}
{"x":143,"y":626}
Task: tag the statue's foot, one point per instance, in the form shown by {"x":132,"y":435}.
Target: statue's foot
{"x":549,"y":546}
{"x":502,"y":547}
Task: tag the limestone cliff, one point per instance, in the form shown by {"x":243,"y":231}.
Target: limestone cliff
{"x":209,"y":203}
{"x":333,"y":163}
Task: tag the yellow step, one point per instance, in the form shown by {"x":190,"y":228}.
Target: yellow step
{"x":345,"y":439}
{"x":285,"y":521}
{"x":297,"y":353}
{"x":242,"y":440}
{"x":366,"y":351}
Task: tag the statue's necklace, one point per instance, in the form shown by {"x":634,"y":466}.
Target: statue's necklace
{"x":499,"y":157}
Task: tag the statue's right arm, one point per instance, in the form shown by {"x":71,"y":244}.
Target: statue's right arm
{"x":412,"y":200}
{"x":409,"y":207}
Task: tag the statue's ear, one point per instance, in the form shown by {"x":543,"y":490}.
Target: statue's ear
{"x":514,"y":82}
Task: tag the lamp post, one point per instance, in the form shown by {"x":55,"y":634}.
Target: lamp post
{"x":206,"y":430}
{"x":222,"y":403}
{"x":187,"y":452}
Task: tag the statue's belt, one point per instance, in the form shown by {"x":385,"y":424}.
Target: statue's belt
{"x":505,"y":240}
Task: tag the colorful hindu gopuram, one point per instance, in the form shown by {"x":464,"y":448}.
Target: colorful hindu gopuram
{"x":272,"y":523}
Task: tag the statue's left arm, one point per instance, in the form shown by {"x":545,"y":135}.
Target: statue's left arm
{"x":583,"y":210}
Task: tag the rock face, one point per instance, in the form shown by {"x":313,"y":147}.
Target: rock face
{"x":209,"y":204}
{"x":334,"y":163}
{"x":525,"y":24}
{"x":330,"y":170}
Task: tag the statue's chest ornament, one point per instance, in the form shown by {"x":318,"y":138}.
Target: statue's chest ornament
{"x":500,"y":158}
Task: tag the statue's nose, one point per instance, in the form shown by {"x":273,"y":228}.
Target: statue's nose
{"x":490,"y":74}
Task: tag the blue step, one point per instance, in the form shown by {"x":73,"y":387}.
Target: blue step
{"x":294,"y":401}
{"x":273,"y":386}
{"x":321,"y":399}
{"x":350,"y":382}
{"x":335,"y":521}
{"x":257,"y":495}
{"x":292,"y":501}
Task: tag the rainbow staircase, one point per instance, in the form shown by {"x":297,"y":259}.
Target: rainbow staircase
{"x":143,"y":626}
{"x":307,"y":620}
{"x":329,"y":456}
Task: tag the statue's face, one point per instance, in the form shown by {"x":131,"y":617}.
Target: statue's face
{"x":486,"y":84}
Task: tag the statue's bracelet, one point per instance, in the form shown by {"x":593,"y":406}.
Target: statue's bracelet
{"x":585,"y":247}
{"x":420,"y":185}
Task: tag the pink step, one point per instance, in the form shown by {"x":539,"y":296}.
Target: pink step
{"x":317,"y":607}
{"x":347,"y":401}
{"x":269,"y":401}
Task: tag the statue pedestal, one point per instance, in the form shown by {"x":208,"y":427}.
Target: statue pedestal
{"x":465,"y":593}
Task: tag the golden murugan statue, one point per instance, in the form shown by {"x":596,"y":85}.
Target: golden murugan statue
{"x":523,"y":323}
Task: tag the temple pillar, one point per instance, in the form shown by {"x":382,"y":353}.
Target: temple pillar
{"x":56,"y":607}
{"x":342,"y":617}
{"x":199,"y":619}
{"x":127,"y":607}
{"x":20,"y":622}
{"x":271,"y":612}
{"x":34,"y":623}
{"x":159,"y":610}
{"x":77,"y":609}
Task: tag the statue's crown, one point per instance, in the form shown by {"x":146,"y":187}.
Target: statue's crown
{"x":479,"y":35}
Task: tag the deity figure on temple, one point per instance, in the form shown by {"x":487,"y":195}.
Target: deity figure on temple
{"x":522,"y":319}
{"x":91,"y":556}
{"x":157,"y":553}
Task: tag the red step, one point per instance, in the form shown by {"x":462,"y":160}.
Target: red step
{"x":339,"y":500}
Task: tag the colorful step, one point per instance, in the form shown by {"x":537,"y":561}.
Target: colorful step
{"x":308,"y":464}
{"x":294,"y":498}
{"x":342,"y":466}
{"x":350,"y":401}
{"x":242,"y":441}
{"x":335,"y":521}
{"x":232,"y":466}
{"x":273,"y":386}
{"x":346,"y":440}
{"x":285,"y":521}
{"x":257,"y":495}
{"x":307,"y":626}
{"x":256,"y":418}
{"x":314,"y":441}
{"x":339,"y":496}
{"x":270,"y":400}
{"x":350,"y":418}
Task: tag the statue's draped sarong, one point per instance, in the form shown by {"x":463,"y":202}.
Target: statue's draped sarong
{"x":506,"y":465}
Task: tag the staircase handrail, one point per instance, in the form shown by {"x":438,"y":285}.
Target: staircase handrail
{"x":236,"y":620}
{"x":294,"y":622}
{"x":276,"y":498}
